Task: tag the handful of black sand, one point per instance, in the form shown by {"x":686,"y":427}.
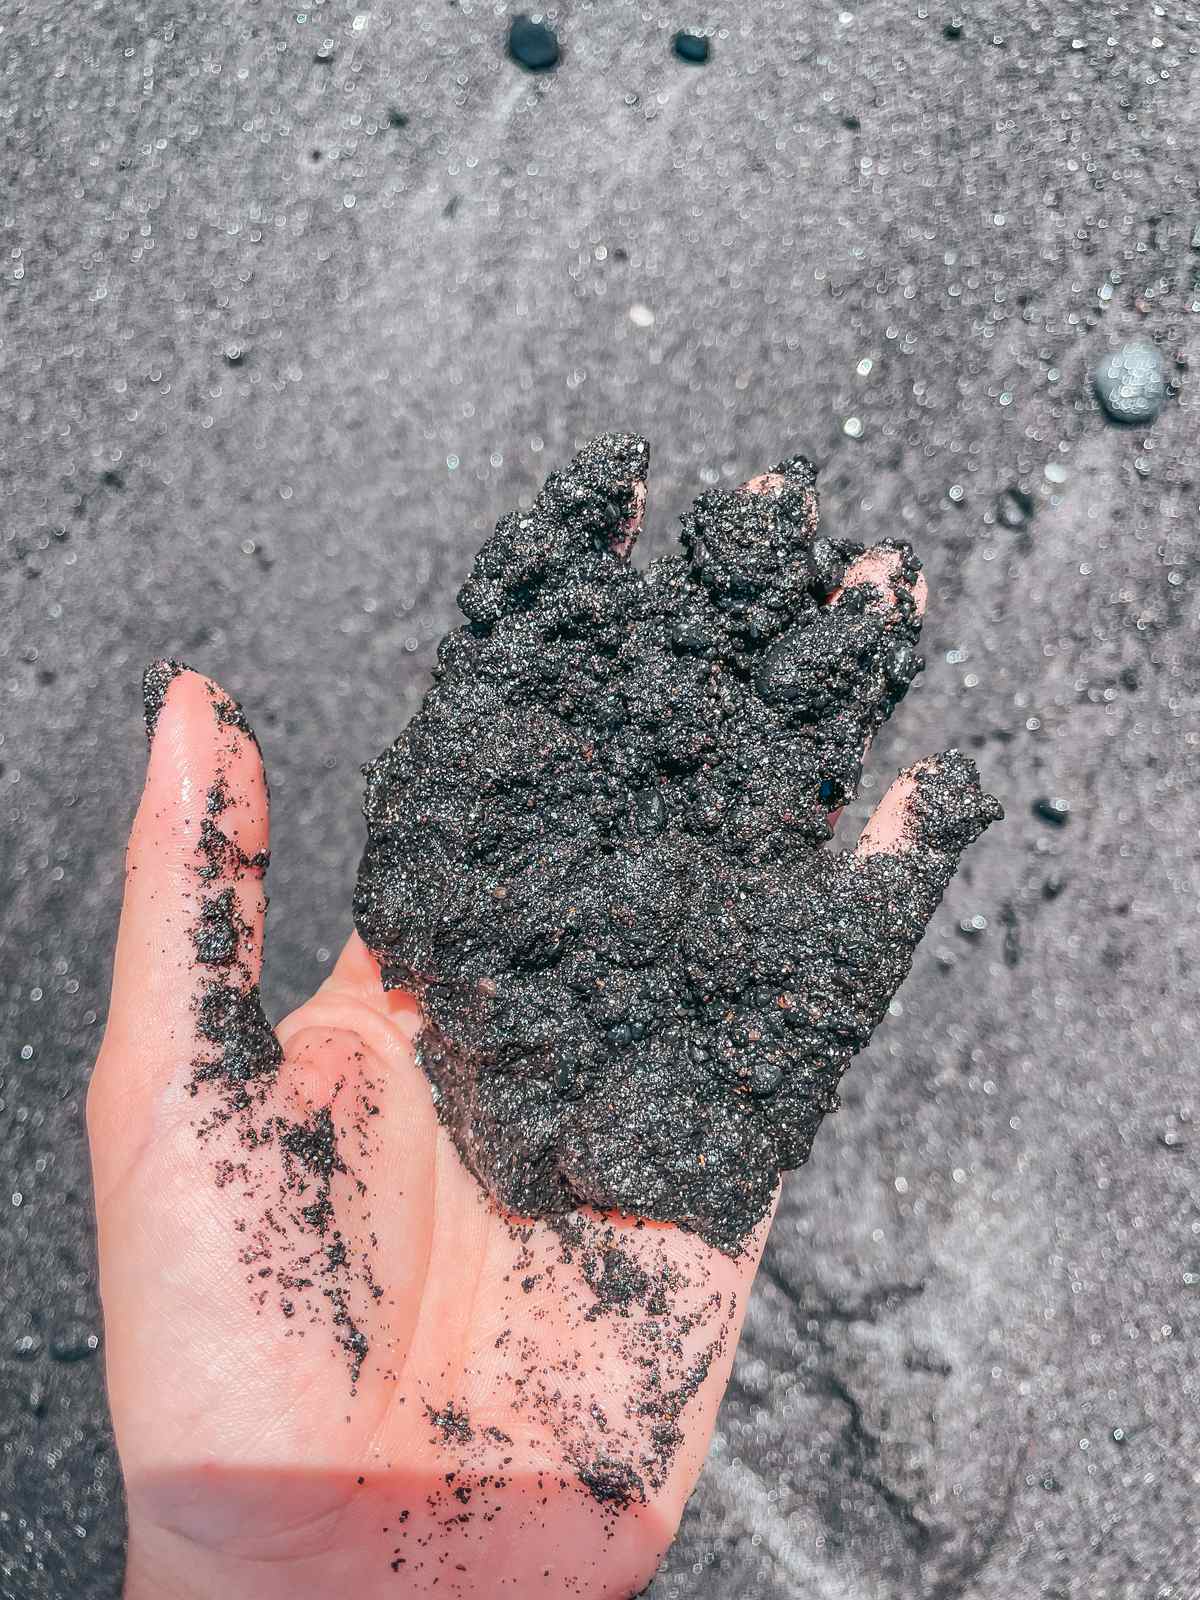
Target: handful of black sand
{"x":595,"y":855}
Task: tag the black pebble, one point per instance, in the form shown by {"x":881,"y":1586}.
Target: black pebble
{"x":691,"y":47}
{"x":766,"y":1075}
{"x":651,"y":812}
{"x":1052,"y":810}
{"x":533,"y":45}
{"x":1015,"y":508}
{"x":691,"y":639}
{"x":74,"y":1344}
{"x":828,"y":567}
{"x":900,"y":664}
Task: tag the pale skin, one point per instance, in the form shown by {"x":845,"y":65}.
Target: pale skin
{"x":251,"y":1468}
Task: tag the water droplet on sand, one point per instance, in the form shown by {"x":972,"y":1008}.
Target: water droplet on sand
{"x":691,"y":47}
{"x":533,"y":44}
{"x":1130,"y":383}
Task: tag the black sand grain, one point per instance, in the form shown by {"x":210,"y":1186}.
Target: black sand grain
{"x":156,"y":680}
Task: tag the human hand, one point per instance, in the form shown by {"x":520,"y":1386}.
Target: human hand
{"x":334,"y":1366}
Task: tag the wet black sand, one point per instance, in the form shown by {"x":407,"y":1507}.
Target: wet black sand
{"x":267,"y":329}
{"x":596,"y":854}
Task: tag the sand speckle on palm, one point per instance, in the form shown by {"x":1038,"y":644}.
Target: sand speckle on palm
{"x":293,"y":1244}
{"x":595,"y":855}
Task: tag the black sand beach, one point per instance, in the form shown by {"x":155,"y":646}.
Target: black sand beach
{"x":294,"y":311}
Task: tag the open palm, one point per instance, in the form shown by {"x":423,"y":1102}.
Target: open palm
{"x":335,"y":1367}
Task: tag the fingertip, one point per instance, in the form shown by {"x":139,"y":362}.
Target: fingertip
{"x":937,"y":805}
{"x":768,"y":483}
{"x":615,"y":466}
{"x":156,"y":681}
{"x":204,"y":759}
{"x":595,"y":504}
{"x":882,"y":567}
{"x":796,"y":474}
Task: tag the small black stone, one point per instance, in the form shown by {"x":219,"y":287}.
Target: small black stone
{"x":1015,"y":508}
{"x":691,"y":639}
{"x":1052,"y":809}
{"x":693,"y":48}
{"x":533,"y":45}
{"x":901,"y":665}
{"x":651,"y":812}
{"x":766,"y":1074}
{"x":828,"y":566}
{"x":74,"y":1344}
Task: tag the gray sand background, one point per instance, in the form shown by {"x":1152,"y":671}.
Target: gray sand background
{"x":272,"y":365}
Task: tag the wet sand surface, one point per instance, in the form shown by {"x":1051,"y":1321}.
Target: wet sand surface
{"x":293,"y":311}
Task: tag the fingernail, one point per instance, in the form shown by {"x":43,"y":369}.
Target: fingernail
{"x":156,"y":680}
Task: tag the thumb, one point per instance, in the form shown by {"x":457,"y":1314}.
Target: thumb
{"x":189,"y":951}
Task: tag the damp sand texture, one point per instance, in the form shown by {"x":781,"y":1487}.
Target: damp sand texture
{"x":597,"y":854}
